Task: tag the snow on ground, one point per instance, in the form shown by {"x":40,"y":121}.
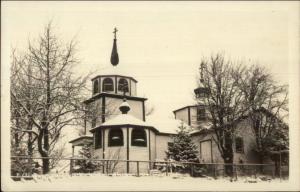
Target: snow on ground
{"x":99,"y":182}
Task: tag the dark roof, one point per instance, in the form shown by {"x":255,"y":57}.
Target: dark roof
{"x":201,"y":89}
{"x":188,"y":106}
{"x":99,"y":95}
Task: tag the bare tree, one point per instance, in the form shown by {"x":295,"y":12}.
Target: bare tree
{"x":223,"y":102}
{"x":114,"y":156}
{"x":45,"y":93}
{"x":268,"y":108}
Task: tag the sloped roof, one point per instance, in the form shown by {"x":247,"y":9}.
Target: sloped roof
{"x":125,"y":120}
{"x":166,"y":125}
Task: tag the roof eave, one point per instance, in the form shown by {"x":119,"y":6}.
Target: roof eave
{"x":123,"y":125}
{"x":114,"y":96}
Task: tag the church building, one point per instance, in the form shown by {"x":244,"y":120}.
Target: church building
{"x":117,"y":120}
{"x":118,"y":128}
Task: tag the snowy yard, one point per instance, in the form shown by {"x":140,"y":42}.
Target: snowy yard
{"x":173,"y":182}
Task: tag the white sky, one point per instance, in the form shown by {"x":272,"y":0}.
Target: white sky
{"x":160,"y":43}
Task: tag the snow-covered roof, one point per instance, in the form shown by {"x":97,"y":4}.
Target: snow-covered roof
{"x":81,"y":140}
{"x":166,"y":125}
{"x":123,"y":120}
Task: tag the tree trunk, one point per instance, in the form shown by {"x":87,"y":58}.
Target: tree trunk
{"x":261,"y":161}
{"x":277,"y":169}
{"x":46,"y":163}
{"x":228,"y":155}
{"x":43,"y":152}
{"x":228,"y":159}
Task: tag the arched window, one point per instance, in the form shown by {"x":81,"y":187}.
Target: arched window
{"x":108,"y":85}
{"x":123,"y":85}
{"x":138,"y":137}
{"x":115,"y":137}
{"x":96,"y":86}
{"x":98,"y":139}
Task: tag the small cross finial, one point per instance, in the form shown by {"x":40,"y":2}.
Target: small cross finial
{"x":115,"y":32}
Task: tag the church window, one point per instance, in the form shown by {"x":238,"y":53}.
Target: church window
{"x":115,"y":137}
{"x":98,"y":139}
{"x":108,"y":84}
{"x":239,"y":145}
{"x":201,"y":113}
{"x":138,"y":137}
{"x":123,"y":85}
{"x":170,"y":144}
{"x":96,"y":87}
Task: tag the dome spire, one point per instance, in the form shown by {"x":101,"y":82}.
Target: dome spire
{"x":201,"y":72}
{"x":114,"y":59}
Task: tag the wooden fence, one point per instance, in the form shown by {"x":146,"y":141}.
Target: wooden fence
{"x":161,"y":167}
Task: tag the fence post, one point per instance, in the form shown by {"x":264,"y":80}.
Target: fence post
{"x":71,"y":166}
{"x":103,"y":167}
{"x":167,"y":169}
{"x":192,"y":170}
{"x":215,"y":173}
{"x":274,"y":170}
{"x":235,"y":169}
{"x":106,"y":167}
{"x":138,"y":168}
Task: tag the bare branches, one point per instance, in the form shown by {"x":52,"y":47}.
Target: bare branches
{"x":267,"y":104}
{"x":45,"y":90}
{"x":236,"y":93}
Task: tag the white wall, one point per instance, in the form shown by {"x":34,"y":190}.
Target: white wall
{"x":136,"y":153}
{"x":162,"y":146}
{"x":136,"y":107}
{"x":182,"y":115}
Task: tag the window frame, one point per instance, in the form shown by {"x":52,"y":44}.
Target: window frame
{"x":201,"y":116}
{"x":120,"y":85}
{"x":140,"y":132}
{"x":239,"y":147}
{"x":98,"y":139}
{"x":96,"y":87}
{"x":109,"y":84}
{"x":111,"y":142}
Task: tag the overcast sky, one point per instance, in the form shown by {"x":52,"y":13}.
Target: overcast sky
{"x":160,"y":43}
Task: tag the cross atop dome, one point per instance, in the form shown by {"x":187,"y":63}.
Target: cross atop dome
{"x":115,"y":32}
{"x":114,"y":59}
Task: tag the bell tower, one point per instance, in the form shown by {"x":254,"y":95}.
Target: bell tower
{"x":109,"y":88}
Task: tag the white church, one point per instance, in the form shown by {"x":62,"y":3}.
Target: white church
{"x":118,"y":128}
